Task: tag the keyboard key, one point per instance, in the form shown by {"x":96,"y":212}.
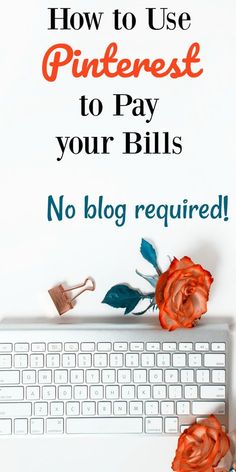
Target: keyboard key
{"x":131,"y":360}
{"x":155,"y":376}
{"x":167,"y":408}
{"x":84,"y":360}
{"x":194,"y":360}
{"x":5,"y":361}
{"x":103,"y":425}
{"x":179,"y":360}
{"x":5,"y":347}
{"x":136,"y":408}
{"x":185,"y":346}
{"x":54,"y":347}
{"x":190,"y":391}
{"x":218,"y":346}
{"x":212,"y":391}
{"x":65,"y":392}
{"x":87,"y":347}
{"x":120,"y":408}
{"x":88,"y":408}
{"x":71,"y":347}
{"x":57,"y":409}
{"x":159,"y":391}
{"x":140,"y":375}
{"x":218,"y":376}
{"x":76,"y":376}
{"x":37,"y":360}
{"x":96,"y":392}
{"x":49,"y":392}
{"x":104,"y":347}
{"x":124,"y":376}
{"x":151,"y":408}
{"x":9,"y":377}
{"x":169,"y":346}
{"x":153,"y":346}
{"x":72,"y":408}
{"x":153,"y":425}
{"x":202,"y":346}
{"x":175,"y":391}
{"x":104,"y":408}
{"x":68,"y":360}
{"x":53,"y":360}
{"x":112,"y":392}
{"x":163,"y":360}
{"x":214,"y":360}
{"x":171,"y":425}
{"x":21,"y":347}
{"x":29,"y":377}
{"x":92,"y":376}
{"x":45,"y":376}
{"x":40,"y":409}
{"x":38,"y":347}
{"x":136,"y":346}
{"x":15,"y":410}
{"x":127,"y":392}
{"x":120,"y":346}
{"x":61,"y":376}
{"x":80,"y":393}
{"x":183,"y":408}
{"x":144,"y":391}
{"x":100,"y":360}
{"x":55,"y":425}
{"x":203,"y":376}
{"x":36,"y":426}
{"x":11,"y":393}
{"x":147,"y":360}
{"x":32,"y":393}
{"x":116,"y":360}
{"x":21,"y":426}
{"x":5,"y":427}
{"x":108,"y":376}
{"x":187,"y":376}
{"x":208,"y":408}
{"x":171,"y":376}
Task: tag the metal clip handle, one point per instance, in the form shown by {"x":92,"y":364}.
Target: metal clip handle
{"x":84,"y":286}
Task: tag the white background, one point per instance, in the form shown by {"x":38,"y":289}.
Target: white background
{"x":35,"y":254}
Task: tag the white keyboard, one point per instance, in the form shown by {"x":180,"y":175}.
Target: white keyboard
{"x":70,"y":380}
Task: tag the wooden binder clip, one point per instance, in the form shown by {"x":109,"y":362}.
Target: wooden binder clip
{"x":61,"y":298}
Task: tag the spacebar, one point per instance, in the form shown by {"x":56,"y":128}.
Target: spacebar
{"x":104,"y":425}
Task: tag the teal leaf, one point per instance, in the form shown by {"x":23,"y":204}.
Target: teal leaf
{"x":123,"y":296}
{"x":149,"y":253}
{"x":152,"y":279}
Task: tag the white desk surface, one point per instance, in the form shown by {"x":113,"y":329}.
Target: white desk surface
{"x":99,"y":453}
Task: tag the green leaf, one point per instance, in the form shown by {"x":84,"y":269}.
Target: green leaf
{"x":123,"y":296}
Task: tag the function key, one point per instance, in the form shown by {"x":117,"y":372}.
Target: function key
{"x":153,"y":346}
{"x":202,"y":346}
{"x":5,"y":347}
{"x":87,"y":347}
{"x":71,"y":347}
{"x":218,"y":346}
{"x":104,"y":347}
{"x":185,"y":346}
{"x":120,"y":346}
{"x":55,"y":347}
{"x":169,"y":346}
{"x":21,"y":347}
{"x":38,"y":347}
{"x":136,"y":346}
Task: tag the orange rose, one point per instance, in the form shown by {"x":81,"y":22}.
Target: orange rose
{"x":182,"y":293}
{"x":201,"y":447}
